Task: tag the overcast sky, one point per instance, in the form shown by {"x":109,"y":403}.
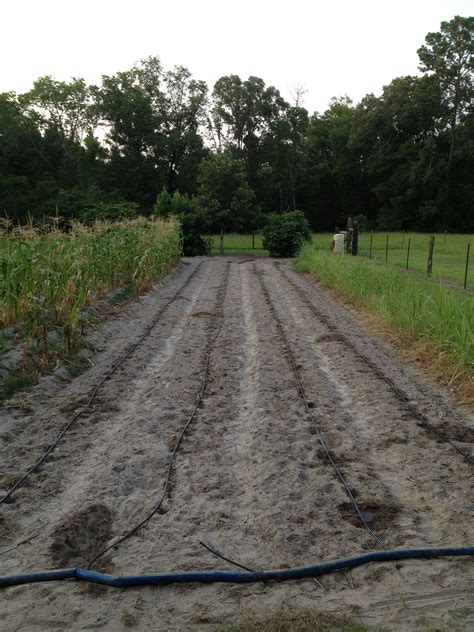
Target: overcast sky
{"x":332,"y":48}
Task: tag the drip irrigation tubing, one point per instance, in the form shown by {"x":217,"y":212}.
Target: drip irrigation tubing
{"x":302,"y":392}
{"x":210,"y":346}
{"x":97,"y":387}
{"x":215,"y":552}
{"x":284,"y":574}
{"x":403,"y":397}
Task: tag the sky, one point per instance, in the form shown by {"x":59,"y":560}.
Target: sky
{"x":330,"y":48}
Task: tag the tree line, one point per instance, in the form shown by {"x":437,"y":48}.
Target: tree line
{"x":401,"y":160}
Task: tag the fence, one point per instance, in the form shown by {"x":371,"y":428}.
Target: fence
{"x":237,"y":243}
{"x":449,"y":260}
{"x":442,"y":256}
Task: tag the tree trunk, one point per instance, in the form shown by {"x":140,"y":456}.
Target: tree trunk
{"x":171,"y":174}
{"x":451,"y":148}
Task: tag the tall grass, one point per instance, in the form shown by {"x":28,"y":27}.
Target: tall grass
{"x":449,"y":257}
{"x":420,"y":307}
{"x":48,"y":278}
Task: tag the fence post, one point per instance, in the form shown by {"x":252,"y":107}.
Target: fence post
{"x":408,"y":251}
{"x":253,"y":240}
{"x":467,"y":264}
{"x":222,"y":241}
{"x":355,"y":239}
{"x":386,"y":250}
{"x":370,"y":247}
{"x":429,"y":267}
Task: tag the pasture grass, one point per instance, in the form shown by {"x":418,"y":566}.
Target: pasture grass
{"x":421,"y":308}
{"x":235,"y":243}
{"x":449,"y":256}
{"x":288,"y":619}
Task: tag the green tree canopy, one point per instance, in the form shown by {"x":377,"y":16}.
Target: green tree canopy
{"x":226,"y":202}
{"x":449,"y":55}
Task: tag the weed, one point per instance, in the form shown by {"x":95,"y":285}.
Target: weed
{"x":122,"y":296}
{"x":297,"y":620}
{"x":19,"y":381}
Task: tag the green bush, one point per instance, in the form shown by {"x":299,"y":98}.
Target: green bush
{"x":109,"y":211}
{"x":184,"y":209}
{"x":283,"y":235}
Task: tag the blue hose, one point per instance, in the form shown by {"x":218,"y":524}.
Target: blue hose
{"x":283,"y":574}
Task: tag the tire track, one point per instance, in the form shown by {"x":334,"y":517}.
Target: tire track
{"x":408,"y":487}
{"x":286,"y":345}
{"x":215,"y":329}
{"x":396,"y":390}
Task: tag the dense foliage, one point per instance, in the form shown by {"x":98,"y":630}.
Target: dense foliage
{"x":284,"y":234}
{"x":48,"y":278}
{"x":403,"y":160}
{"x":184,"y":209}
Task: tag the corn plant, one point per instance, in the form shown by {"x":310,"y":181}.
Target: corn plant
{"x":47,"y":278}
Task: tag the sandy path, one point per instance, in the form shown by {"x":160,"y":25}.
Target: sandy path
{"x":250,"y":478}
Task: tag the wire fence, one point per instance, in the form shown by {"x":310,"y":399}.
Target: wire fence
{"x":443,"y":256}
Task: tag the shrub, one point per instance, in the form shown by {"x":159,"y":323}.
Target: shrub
{"x":184,"y":209}
{"x":283,"y":235}
{"x":109,"y":211}
{"x":361,"y":220}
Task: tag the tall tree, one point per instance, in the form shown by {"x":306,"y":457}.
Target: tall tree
{"x":281,"y":161}
{"x":395,"y":140}
{"x":243,"y":112}
{"x":183,"y":112}
{"x":331,"y":186}
{"x":225,"y":199}
{"x":23,"y":162}
{"x":449,"y":55}
{"x":153,"y":120}
{"x":66,"y":116}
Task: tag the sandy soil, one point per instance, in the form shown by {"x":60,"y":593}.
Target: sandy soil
{"x":249,"y":478}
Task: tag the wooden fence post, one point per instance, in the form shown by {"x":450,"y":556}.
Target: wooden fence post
{"x":355,"y":239}
{"x":386,"y":250}
{"x":467,"y":264}
{"x":429,"y":267}
{"x":408,"y":251}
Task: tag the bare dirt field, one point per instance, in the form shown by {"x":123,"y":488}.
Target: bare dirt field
{"x":250,"y":476}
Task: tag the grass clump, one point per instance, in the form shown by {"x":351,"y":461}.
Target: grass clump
{"x":420,"y":307}
{"x":17,"y":382}
{"x":122,"y":296}
{"x":297,"y":620}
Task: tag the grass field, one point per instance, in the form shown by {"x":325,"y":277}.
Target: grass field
{"x":449,"y":259}
{"x":420,"y":307}
{"x":235,"y":243}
